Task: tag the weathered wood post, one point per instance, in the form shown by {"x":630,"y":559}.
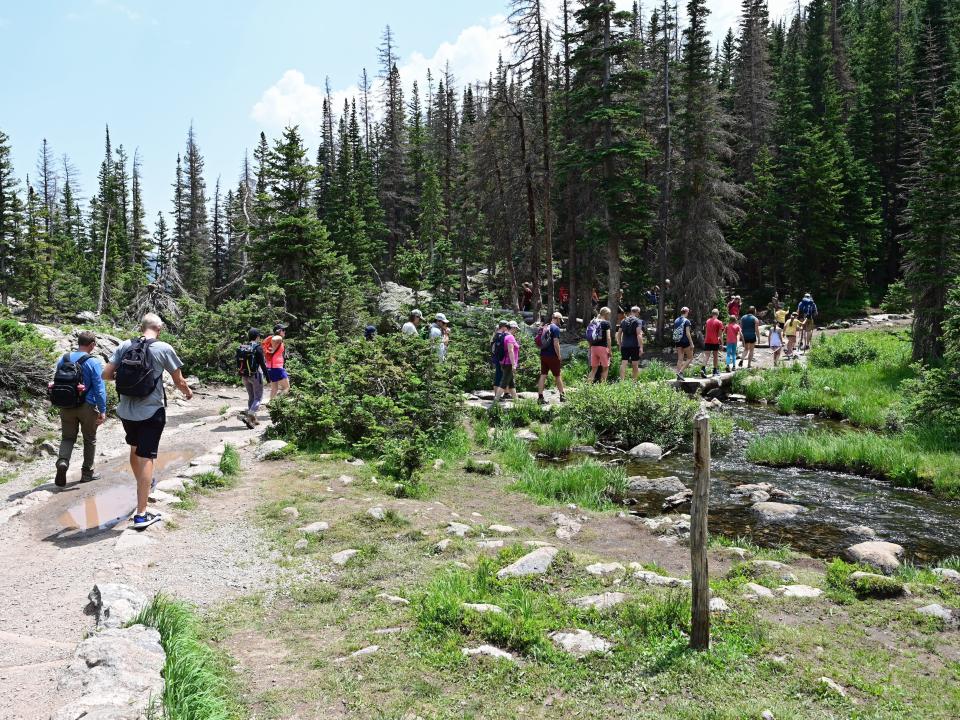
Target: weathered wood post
{"x":699,"y":505}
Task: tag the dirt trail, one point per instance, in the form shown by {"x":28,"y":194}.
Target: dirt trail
{"x":48,"y":565}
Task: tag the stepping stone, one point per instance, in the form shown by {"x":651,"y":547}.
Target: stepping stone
{"x":719,"y":605}
{"x":533,"y":563}
{"x":580,"y":643}
{"x":483,"y":608}
{"x":489,"y":651}
{"x":197,"y":470}
{"x":377,"y":513}
{"x":800,"y":591}
{"x":393,"y":599}
{"x":133,"y":540}
{"x":171,"y":485}
{"x":291,"y":513}
{"x":115,"y":604}
{"x":642,"y":485}
{"x":207,"y":459}
{"x":343,"y":557}
{"x":603,"y":601}
{"x":163,"y":498}
{"x":458,"y":529}
{"x":315,"y":527}
{"x":950,"y":618}
{"x":861,"y":531}
{"x":777,"y":512}
{"x":752,"y":591}
{"x":490,"y":544}
{"x":604,"y":569}
{"x":502,"y":529}
{"x":882,"y":555}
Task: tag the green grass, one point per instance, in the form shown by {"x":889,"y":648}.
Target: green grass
{"x":556,"y":440}
{"x":843,"y":589}
{"x":230,"y":461}
{"x":198,"y":683}
{"x":910,"y":460}
{"x":6,"y":477}
{"x":479,"y":467}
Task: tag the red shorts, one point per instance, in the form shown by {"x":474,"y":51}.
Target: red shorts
{"x":599,"y":355}
{"x":550,"y":364}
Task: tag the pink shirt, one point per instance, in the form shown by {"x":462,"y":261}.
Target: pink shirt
{"x":733,"y":331}
{"x":511,"y":350}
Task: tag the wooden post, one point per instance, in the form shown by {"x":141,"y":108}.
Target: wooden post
{"x":699,"y":505}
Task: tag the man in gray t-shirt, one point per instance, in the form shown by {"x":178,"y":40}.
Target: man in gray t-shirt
{"x":144,"y":418}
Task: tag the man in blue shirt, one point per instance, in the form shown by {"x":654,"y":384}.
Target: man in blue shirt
{"x":87,"y":417}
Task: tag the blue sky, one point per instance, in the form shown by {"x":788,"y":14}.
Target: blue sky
{"x":149,"y":68}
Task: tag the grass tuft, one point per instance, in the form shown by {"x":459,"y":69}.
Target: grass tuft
{"x":556,"y":440}
{"x":230,"y":461}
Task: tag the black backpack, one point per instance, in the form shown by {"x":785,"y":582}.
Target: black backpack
{"x":246,"y":359}
{"x":67,"y":389}
{"x":135,"y":376}
{"x":498,"y":348}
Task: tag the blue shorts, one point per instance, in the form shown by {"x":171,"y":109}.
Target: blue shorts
{"x":277,"y":374}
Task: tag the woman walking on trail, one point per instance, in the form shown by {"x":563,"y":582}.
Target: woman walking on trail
{"x":733,"y":335}
{"x":599,"y":337}
{"x":683,"y":341}
{"x":275,"y":352}
{"x":791,"y":329}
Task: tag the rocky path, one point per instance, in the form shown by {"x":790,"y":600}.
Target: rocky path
{"x":59,"y":542}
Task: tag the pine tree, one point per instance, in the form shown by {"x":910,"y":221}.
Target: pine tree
{"x":34,"y":272}
{"x":220,"y":248}
{"x":139,"y":240}
{"x":163,"y":252}
{"x":193,"y":250}
{"x":10,"y":219}
{"x":752,"y":104}
{"x":392,"y":148}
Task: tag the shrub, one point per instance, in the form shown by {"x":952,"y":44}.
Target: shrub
{"x":26,"y":360}
{"x":843,"y":350}
{"x":359,"y":394}
{"x":897,"y":299}
{"x":588,"y":483}
{"x":402,"y":458}
{"x":520,"y":414}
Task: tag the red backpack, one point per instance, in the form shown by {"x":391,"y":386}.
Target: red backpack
{"x":542,"y":337}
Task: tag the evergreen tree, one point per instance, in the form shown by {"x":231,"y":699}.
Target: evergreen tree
{"x":10,"y":219}
{"x":752,"y":104}
{"x":193,"y":250}
{"x":34,"y":274}
{"x":163,"y":252}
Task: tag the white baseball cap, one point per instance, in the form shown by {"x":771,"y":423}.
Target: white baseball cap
{"x":440,"y":317}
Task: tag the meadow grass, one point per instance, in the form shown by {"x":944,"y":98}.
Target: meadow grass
{"x":230,"y":461}
{"x":198,"y":684}
{"x":906,"y":459}
{"x":556,"y":440}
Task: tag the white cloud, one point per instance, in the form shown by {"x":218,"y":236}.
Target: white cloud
{"x":134,"y":16}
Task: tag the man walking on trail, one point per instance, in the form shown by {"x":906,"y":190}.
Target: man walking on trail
{"x":733,"y":307}
{"x":497,"y":354}
{"x":808,"y":310}
{"x":600,"y":337}
{"x":509,"y":363}
{"x":750,"y":328}
{"x":791,"y":328}
{"x":412,"y":325}
{"x":440,"y":334}
{"x":630,"y":340}
{"x":733,"y":336}
{"x":137,"y":367}
{"x":711,"y":342}
{"x":548,"y":340}
{"x":252,"y":366}
{"x":683,"y":341}
{"x":83,"y":406}
{"x":274,"y":351}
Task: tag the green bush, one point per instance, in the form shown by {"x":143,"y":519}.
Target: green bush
{"x":897,"y":299}
{"x":230,"y":461}
{"x":843,"y":350}
{"x":556,"y":440}
{"x":401,"y":458}
{"x":26,"y":360}
{"x":520,"y":414}
{"x":357,"y":395}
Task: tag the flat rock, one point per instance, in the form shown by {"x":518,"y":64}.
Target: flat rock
{"x":567,"y":526}
{"x":268,"y":448}
{"x":831,"y":686}
{"x":301,"y":544}
{"x":584,"y":450}
{"x":345,"y":479}
{"x":133,"y":540}
{"x":678,"y":500}
{"x":753,"y":591}
{"x":458,"y":529}
{"x":880,"y":554}
{"x":483,"y":608}
{"x":171,"y":485}
{"x":490,"y":544}
{"x":533,"y":563}
{"x":442,"y":545}
{"x":315,"y":528}
{"x":950,"y":618}
{"x":163,"y":498}
{"x":580,"y":643}
{"x":489,"y":651}
{"x":115,"y":604}
{"x":861,"y":531}
{"x":947,"y":574}
{"x":604,"y":569}
{"x":719,"y":605}
{"x":602,"y":601}
{"x":759,"y":496}
{"x":291,"y":513}
{"x":197,"y":470}
{"x":647,"y":577}
{"x":751,"y":488}
{"x":776,"y":512}
{"x":502,"y":529}
{"x":737,"y":553}
{"x":527,"y":435}
{"x":647,"y":450}
{"x":206,"y":459}
{"x":800,"y":591}
{"x":393,"y":599}
{"x":377,"y":513}
{"x":640,"y":485}
{"x":343,"y":557}
{"x":116,"y":673}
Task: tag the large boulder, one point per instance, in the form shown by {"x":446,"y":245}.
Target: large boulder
{"x":777,"y":512}
{"x":396,"y":299}
{"x":115,"y":604}
{"x":882,"y":555}
{"x":270,"y":448}
{"x":643,"y":486}
{"x":647,"y":450}
{"x":580,"y":643}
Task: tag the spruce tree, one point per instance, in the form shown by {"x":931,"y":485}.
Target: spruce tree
{"x":194,"y":251}
{"x":10,"y":219}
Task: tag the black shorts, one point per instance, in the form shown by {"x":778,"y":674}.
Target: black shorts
{"x":144,"y":435}
{"x":750,"y":339}
{"x":630,"y":354}
{"x":711,"y":346}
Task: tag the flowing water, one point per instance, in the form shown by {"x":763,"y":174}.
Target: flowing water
{"x":926,"y":526}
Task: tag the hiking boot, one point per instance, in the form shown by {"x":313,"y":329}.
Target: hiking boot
{"x":541,"y":400}
{"x":245,"y":419}
{"x":256,"y":420}
{"x":563,"y":398}
{"x":740,"y":364}
{"x":680,"y":377}
{"x":716,"y":373}
{"x":141,"y":522}
{"x":703,"y":373}
{"x":90,"y":476}
{"x":61,"y":479}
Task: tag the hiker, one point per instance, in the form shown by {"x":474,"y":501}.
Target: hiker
{"x":733,"y":307}
{"x":749,"y":329}
{"x":548,"y":340}
{"x":808,"y":310}
{"x":527,"y":296}
{"x":563,"y":295}
{"x":683,"y":341}
{"x":790,"y":330}
{"x":369,"y":333}
{"x":275,"y":351}
{"x":600,"y":339}
{"x":776,"y":342}
{"x":137,"y":367}
{"x":252,"y":368}
{"x":780,"y":316}
{"x":509,"y":363}
{"x":630,"y":340}
{"x":79,"y":393}
{"x":711,"y":342}
{"x":497,"y":355}
{"x":440,"y":332}
{"x":733,"y":336}
{"x":412,"y":325}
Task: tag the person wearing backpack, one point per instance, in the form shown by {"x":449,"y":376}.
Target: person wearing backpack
{"x":630,"y":340}
{"x":274,"y":351}
{"x":252,"y":368}
{"x":711,"y":342}
{"x":683,"y":341}
{"x":808,"y":311}
{"x":750,"y":329}
{"x":510,"y":361}
{"x":137,"y":368}
{"x":79,"y":393}
{"x":599,"y":337}
{"x":548,"y":340}
{"x":497,"y":355}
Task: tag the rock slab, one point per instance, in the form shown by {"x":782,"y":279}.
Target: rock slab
{"x":489,"y":651}
{"x":115,"y":604}
{"x":777,"y":512}
{"x":603,"y":601}
{"x":882,"y":555}
{"x":533,"y":563}
{"x":269,"y":447}
{"x":580,"y":643}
